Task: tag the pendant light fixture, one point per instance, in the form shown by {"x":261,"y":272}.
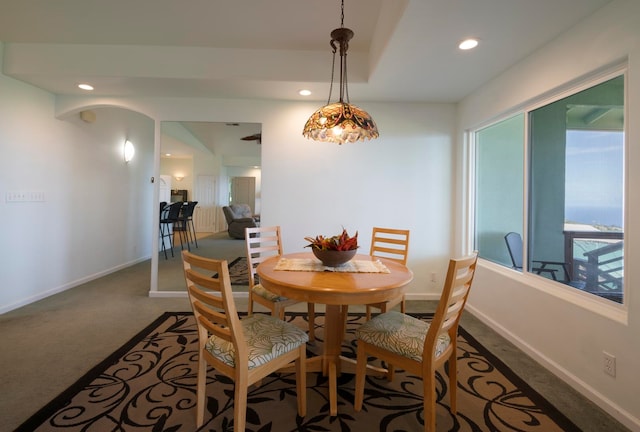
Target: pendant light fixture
{"x":340,"y":122}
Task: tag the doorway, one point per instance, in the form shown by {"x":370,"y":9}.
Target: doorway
{"x":202,"y":158}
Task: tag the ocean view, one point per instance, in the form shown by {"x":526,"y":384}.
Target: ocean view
{"x":607,"y":216}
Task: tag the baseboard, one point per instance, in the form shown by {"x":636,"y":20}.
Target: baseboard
{"x":615,"y":411}
{"x":67,"y":286}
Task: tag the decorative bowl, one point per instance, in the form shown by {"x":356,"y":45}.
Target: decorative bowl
{"x":334,"y":258}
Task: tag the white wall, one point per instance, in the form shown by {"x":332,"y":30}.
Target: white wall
{"x":565,"y":331}
{"x":403,"y":179}
{"x":96,"y":216}
{"x":179,"y":167}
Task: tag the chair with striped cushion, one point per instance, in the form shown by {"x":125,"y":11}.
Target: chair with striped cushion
{"x":245,"y":350}
{"x":416,"y":346}
{"x":263,"y":243}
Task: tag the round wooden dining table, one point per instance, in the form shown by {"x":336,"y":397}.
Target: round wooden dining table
{"x":337,"y":290}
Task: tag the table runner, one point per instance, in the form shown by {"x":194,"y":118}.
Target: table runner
{"x":310,"y":264}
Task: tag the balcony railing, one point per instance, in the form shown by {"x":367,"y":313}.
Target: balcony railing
{"x":600,"y":269}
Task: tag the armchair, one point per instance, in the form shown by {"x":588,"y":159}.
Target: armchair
{"x":239,"y":217}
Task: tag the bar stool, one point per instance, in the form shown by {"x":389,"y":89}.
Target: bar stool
{"x":187,"y":222}
{"x":169,"y":216}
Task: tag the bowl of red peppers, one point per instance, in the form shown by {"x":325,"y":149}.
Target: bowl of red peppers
{"x":336,"y":250}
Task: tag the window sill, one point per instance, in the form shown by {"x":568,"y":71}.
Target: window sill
{"x":606,"y":308}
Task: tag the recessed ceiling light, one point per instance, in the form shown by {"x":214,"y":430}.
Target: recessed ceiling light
{"x":85,"y":86}
{"x":304,"y":92}
{"x":468,"y":44}
{"x":167,"y":154}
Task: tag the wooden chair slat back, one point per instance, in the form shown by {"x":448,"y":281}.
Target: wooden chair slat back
{"x":390,"y":243}
{"x":214,"y":312}
{"x":261,"y":243}
{"x":452,"y":301}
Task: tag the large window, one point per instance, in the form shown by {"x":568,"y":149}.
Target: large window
{"x":499,"y":187}
{"x":573,"y":232}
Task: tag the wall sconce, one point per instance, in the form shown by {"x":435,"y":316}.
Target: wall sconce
{"x":179,"y":177}
{"x":129,"y":151}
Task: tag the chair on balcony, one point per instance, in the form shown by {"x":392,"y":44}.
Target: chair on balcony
{"x":514,"y":246}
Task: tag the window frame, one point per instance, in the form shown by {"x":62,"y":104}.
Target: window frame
{"x":608,"y":308}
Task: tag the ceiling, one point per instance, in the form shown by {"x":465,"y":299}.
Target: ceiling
{"x":403,"y":50}
{"x":180,"y":139}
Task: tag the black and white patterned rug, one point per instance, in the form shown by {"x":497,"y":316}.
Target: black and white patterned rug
{"x":238,"y":271}
{"x":149,"y":384}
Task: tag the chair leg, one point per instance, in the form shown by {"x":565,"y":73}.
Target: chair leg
{"x":311,"y":312}
{"x":171,"y":242}
{"x":201,"y":390}
{"x":240,"y":401}
{"x":184,"y":237}
{"x":187,"y":234}
{"x":169,"y":235}
{"x":193,"y":228}
{"x":361,"y":371}
{"x":250,"y":304}
{"x":301,"y":381}
{"x":164,"y":248}
{"x":429,"y":388}
{"x":453,"y":382}
{"x":390,"y":372}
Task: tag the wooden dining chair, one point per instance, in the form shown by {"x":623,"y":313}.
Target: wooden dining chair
{"x":244,"y":350}
{"x":262,"y":243}
{"x":391,"y":244}
{"x":417,"y":346}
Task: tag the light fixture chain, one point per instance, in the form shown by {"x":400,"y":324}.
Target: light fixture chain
{"x":346,"y":84}
{"x":333,"y":68}
{"x":342,"y":15}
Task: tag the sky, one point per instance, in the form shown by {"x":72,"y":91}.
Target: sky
{"x":594,"y":169}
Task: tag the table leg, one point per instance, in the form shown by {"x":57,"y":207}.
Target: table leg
{"x":334,"y":327}
{"x":331,"y":363}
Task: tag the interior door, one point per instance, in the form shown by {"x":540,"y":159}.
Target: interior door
{"x":204,"y":217}
{"x":243,"y":190}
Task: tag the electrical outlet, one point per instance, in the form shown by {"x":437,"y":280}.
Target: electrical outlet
{"x":609,"y":364}
{"x":433,"y":277}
